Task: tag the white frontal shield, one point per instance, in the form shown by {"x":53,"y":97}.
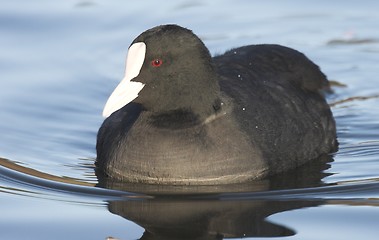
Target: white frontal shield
{"x":127,"y":90}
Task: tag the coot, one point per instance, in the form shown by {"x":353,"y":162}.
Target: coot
{"x":180,"y":116}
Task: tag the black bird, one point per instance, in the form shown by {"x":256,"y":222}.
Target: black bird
{"x":180,"y":116}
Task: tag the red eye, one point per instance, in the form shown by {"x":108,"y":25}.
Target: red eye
{"x":156,"y":62}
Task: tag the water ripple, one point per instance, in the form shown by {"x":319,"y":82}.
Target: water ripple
{"x":369,"y":148}
{"x":25,"y":181}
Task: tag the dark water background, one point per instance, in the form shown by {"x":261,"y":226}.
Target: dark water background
{"x":59,"y":61}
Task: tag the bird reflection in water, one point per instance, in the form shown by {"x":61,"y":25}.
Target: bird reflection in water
{"x":217,"y":212}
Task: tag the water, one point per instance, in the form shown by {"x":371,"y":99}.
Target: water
{"x":60,"y":61}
